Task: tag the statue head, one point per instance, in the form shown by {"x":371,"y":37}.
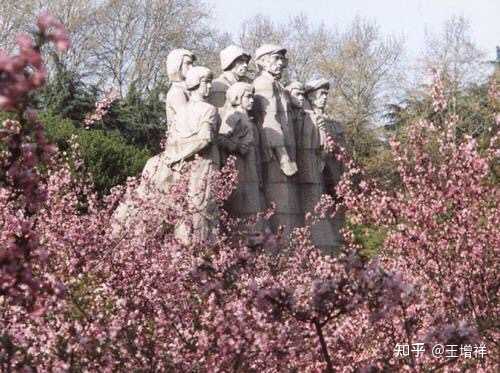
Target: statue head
{"x":297,"y":94}
{"x":234,"y":59}
{"x":317,"y":93}
{"x":241,"y":94}
{"x":199,"y":81}
{"x":271,"y":58}
{"x":179,"y":61}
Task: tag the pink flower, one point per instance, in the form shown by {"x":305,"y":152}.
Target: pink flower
{"x":25,"y":41}
{"x":61,"y":39}
{"x":101,"y":107}
{"x":46,"y":20}
{"x":54,"y":30}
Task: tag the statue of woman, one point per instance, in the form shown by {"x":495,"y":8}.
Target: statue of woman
{"x":192,"y":143}
{"x":179,"y":61}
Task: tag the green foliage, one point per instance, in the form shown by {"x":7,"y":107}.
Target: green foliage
{"x":474,"y":108}
{"x":371,"y":151}
{"x":58,"y":129}
{"x":106,"y":155}
{"x":140,"y":119}
{"x":109,"y":159}
{"x":67,"y":95}
{"x":371,"y":238}
{"x":379,"y":164}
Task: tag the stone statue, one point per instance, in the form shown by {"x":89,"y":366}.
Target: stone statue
{"x":296,"y":111}
{"x":192,"y":142}
{"x":234,"y":64}
{"x":312,"y":159}
{"x":239,"y":136}
{"x":277,"y":138}
{"x":179,"y":61}
{"x":155,"y":174}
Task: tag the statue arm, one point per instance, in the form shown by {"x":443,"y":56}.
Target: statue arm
{"x":176,"y":98}
{"x":199,"y":140}
{"x":227,"y":131}
{"x":267,"y":104}
{"x":205,"y":135}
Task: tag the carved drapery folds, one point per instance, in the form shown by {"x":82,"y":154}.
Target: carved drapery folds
{"x":277,"y":135}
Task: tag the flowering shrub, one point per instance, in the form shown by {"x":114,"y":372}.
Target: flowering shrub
{"x":440,"y":228}
{"x":26,"y":151}
{"x":141,"y":300}
{"x":101,"y":107}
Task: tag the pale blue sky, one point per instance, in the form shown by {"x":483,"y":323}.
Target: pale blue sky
{"x":408,"y":17}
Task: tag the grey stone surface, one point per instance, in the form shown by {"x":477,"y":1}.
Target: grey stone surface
{"x":192,"y":140}
{"x":318,"y":169}
{"x":277,"y":135}
{"x":239,"y":136}
{"x":179,"y":61}
{"x":221,"y":85}
{"x":234,"y":64}
{"x":277,"y":138}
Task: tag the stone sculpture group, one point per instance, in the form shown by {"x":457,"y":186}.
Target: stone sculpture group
{"x":278,"y":135}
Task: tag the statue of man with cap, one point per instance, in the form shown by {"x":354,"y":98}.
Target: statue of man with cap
{"x":312,"y":159}
{"x":234,"y":64}
{"x":277,"y":138}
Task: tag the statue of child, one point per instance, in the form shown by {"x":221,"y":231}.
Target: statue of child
{"x":239,"y":136}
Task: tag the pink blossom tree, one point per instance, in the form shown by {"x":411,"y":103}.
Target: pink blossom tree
{"x":140,"y":300}
{"x":101,"y":107}
{"x":24,"y":153}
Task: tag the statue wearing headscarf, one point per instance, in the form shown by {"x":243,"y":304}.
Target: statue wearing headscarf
{"x":192,"y":142}
{"x":179,"y":61}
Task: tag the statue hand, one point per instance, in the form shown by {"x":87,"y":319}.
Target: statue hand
{"x":289,"y":168}
{"x":322,"y":122}
{"x":243,"y":149}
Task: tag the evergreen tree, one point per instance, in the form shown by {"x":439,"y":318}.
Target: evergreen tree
{"x":67,"y":95}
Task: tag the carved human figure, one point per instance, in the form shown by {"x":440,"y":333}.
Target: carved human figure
{"x":311,"y":159}
{"x":179,"y":61}
{"x":192,"y":142}
{"x":234,"y":64}
{"x":239,"y":136}
{"x":156,"y":176}
{"x":296,"y":111}
{"x":277,"y":138}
